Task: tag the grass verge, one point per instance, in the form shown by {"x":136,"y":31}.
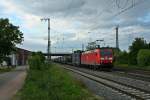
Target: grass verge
{"x":2,"y":70}
{"x":54,"y":83}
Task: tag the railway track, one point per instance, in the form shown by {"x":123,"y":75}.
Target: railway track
{"x":143,"y":75}
{"x":133,"y":75}
{"x":132,"y":92}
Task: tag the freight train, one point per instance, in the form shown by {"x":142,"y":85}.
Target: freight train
{"x":96,"y":58}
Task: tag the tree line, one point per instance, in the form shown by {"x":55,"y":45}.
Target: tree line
{"x":138,"y":54}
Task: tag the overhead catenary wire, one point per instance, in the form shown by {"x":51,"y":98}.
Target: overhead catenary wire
{"x":130,"y":7}
{"x":118,"y":3}
{"x":123,"y":6}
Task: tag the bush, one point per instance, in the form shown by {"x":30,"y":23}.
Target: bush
{"x":143,"y":57}
{"x":37,"y":61}
{"x":122,"y":57}
{"x":137,"y":45}
{"x":132,"y":58}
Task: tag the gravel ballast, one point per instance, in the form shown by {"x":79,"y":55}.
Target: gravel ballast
{"x":101,"y":90}
{"x":144,"y":85}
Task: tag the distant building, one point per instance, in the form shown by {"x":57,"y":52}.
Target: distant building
{"x":20,"y":57}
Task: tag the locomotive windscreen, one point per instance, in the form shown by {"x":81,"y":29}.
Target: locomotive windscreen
{"x":106,"y":52}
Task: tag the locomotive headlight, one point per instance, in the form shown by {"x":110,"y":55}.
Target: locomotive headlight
{"x":102,"y":58}
{"x":110,"y":58}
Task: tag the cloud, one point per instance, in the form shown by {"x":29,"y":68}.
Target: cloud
{"x":50,"y":7}
{"x":72,"y":20}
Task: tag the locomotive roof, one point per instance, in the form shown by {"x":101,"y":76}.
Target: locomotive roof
{"x":95,"y":50}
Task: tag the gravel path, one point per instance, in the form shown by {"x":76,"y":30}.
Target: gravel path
{"x":11,"y":82}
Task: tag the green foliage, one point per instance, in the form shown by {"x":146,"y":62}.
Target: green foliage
{"x":122,"y":57}
{"x":2,"y":70}
{"x":138,"y":43}
{"x":138,"y":54}
{"x":10,"y":35}
{"x":115,"y":53}
{"x":143,"y":57}
{"x":42,"y":57}
{"x":52,"y":84}
{"x":36,"y":61}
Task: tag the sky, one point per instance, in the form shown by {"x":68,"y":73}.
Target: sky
{"x":77,"y":22}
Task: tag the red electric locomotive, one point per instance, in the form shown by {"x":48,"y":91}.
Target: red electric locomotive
{"x":98,"y":58}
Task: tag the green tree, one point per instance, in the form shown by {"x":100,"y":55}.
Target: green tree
{"x":143,"y":57}
{"x":149,"y":46}
{"x":37,"y":61}
{"x":138,"y":43}
{"x":122,"y":57}
{"x":10,"y":35}
{"x":40,"y":54}
{"x":42,"y":57}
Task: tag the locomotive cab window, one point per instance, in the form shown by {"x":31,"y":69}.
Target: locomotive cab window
{"x":105,"y":53}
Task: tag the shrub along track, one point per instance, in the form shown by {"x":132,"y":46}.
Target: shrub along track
{"x":124,"y":89}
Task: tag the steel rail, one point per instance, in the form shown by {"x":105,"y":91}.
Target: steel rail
{"x":122,"y":88}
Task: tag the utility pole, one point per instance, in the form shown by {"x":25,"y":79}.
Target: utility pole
{"x":49,"y":41}
{"x":117,"y":41}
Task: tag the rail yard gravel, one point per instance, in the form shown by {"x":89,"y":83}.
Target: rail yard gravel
{"x":124,"y":80}
{"x":101,"y":90}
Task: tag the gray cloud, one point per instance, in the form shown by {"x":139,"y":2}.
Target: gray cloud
{"x":98,"y":12}
{"x":93,"y":15}
{"x":50,"y":7}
